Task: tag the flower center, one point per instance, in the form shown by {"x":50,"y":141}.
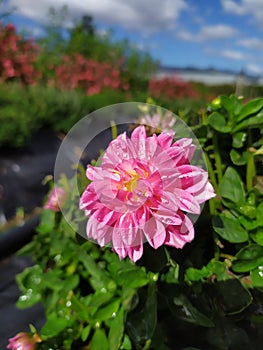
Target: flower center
{"x":131,"y":184}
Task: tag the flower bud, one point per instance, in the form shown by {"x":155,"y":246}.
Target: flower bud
{"x":56,"y":199}
{"x":23,"y":341}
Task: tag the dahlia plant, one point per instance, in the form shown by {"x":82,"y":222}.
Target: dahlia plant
{"x":151,"y":268}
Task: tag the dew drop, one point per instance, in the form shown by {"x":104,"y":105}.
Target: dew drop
{"x":165,"y":201}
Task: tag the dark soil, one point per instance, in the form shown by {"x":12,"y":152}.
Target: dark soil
{"x":22,"y":172}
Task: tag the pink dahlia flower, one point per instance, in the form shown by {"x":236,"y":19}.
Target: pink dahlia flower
{"x":23,"y":341}
{"x":142,"y":191}
{"x":56,"y":198}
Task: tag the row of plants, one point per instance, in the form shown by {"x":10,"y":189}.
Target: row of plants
{"x":25,"y":110}
{"x":210,"y":287}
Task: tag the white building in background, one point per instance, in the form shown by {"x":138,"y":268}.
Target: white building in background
{"x":208,"y":76}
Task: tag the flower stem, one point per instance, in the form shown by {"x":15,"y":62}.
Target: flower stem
{"x":251,"y":172}
{"x":114,"y":131}
{"x":218,"y":162}
{"x":214,"y":183}
{"x":251,"y":169}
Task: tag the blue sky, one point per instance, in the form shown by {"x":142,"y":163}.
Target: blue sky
{"x":222,"y":34}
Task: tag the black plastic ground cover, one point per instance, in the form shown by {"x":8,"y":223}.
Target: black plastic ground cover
{"x":13,"y":320}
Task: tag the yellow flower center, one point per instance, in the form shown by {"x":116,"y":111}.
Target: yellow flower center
{"x":132,"y":183}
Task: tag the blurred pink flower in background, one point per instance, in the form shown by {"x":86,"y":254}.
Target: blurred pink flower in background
{"x":24,"y":341}
{"x":141,"y":191}
{"x":57,"y":197}
{"x":159,"y":123}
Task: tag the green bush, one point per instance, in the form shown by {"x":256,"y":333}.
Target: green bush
{"x":24,"y":110}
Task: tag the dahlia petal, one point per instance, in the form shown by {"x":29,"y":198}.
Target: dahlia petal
{"x":192,"y":178}
{"x":88,"y":199}
{"x":135,"y":253}
{"x":154,"y":231}
{"x":91,"y":227}
{"x":117,"y":151}
{"x":117,"y":243}
{"x":165,"y":140}
{"x":105,"y":216}
{"x":166,"y":158}
{"x":167,"y":216}
{"x":104,"y":236}
{"x":127,"y":228}
{"x":139,"y":133}
{"x":206,"y":193}
{"x":90,"y":172}
{"x":187,"y":202}
{"x":188,"y":149}
{"x":178,"y":236}
{"x":141,"y":215}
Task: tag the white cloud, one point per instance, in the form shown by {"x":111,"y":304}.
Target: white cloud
{"x":145,"y":16}
{"x":254,"y":68}
{"x":251,"y":43}
{"x":228,"y":54}
{"x":253,"y":8}
{"x":233,"y":7}
{"x":233,"y":55}
{"x":213,"y":32}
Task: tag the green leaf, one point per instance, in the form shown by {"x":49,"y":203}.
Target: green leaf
{"x":193,"y":274}
{"x":85,"y":333}
{"x":29,"y":298}
{"x":29,"y":281}
{"x":259,"y":215}
{"x":232,"y":296}
{"x":107,"y":311}
{"x":184,"y":310}
{"x":238,"y":139}
{"x":80,"y":308}
{"x":132,"y":278}
{"x":100,"y":278}
{"x":232,"y":105}
{"x":249,"y":224}
{"x":214,"y":267}
{"x":229,"y":229}
{"x":259,"y":152}
{"x":47,"y":221}
{"x":250,"y":108}
{"x":258,"y":236}
{"x":257,"y":277}
{"x":248,"y":258}
{"x":100,"y":297}
{"x":126,"y":345}
{"x":116,"y":330}
{"x":30,"y":277}
{"x":99,"y":340}
{"x":239,"y":158}
{"x":53,"y":326}
{"x":232,"y":186}
{"x":141,"y":321}
{"x":218,"y":122}
{"x":252,"y":122}
{"x":248,"y":211}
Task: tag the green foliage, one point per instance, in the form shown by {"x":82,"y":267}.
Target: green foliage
{"x":212,"y":288}
{"x":24,"y":110}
